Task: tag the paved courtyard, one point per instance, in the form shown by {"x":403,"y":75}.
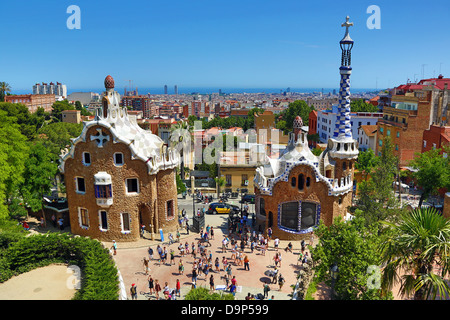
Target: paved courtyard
{"x":129,"y":260}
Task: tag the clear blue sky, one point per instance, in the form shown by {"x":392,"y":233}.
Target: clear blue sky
{"x":245,"y":43}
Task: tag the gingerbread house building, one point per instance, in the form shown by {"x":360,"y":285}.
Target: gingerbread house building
{"x":119,"y":176}
{"x":299,"y":190}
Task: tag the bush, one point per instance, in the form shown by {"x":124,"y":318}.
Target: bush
{"x":99,"y":274}
{"x":202,"y":293}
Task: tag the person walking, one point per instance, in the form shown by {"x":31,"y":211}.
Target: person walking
{"x":150,"y":253}
{"x":178,"y":288}
{"x":180,"y":267}
{"x":150,"y":284}
{"x":217,"y":264}
{"x":114,"y":247}
{"x":157,"y":289}
{"x":172,"y":256}
{"x":266,"y":289}
{"x":146,"y":266}
{"x":133,"y":292}
{"x":280,"y":281}
{"x":246,"y":263}
{"x":211,"y":283}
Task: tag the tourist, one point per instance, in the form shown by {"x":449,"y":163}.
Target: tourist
{"x":303,"y":244}
{"x":150,"y":284}
{"x":217,"y":264}
{"x":266,"y":289}
{"x":228,"y":270}
{"x":178,"y":235}
{"x":61,"y":223}
{"x":276,"y":242}
{"x":150,"y":253}
{"x":178,"y":288}
{"x":54,"y":220}
{"x":305,"y":258}
{"x":289,"y":247}
{"x":211,"y":283}
{"x":133,"y":292}
{"x":212,"y":233}
{"x":224,"y":263}
{"x":274,"y":275}
{"x":114,"y":247}
{"x":194,"y":275}
{"x":146,"y":266}
{"x":166,"y":291}
{"x":157,"y":289}
{"x":280,"y":281}
{"x":170,"y":239}
{"x":269,"y":232}
{"x":42,"y":222}
{"x":246,"y":263}
{"x":180,"y":267}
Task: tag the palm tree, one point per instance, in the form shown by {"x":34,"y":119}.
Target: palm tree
{"x":4,"y":88}
{"x":180,"y":139}
{"x":420,"y":243}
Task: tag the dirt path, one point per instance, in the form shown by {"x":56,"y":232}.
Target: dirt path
{"x":46,"y":283}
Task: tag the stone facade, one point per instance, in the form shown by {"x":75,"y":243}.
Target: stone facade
{"x":114,"y":183}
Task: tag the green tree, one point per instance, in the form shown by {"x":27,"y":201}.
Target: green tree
{"x":420,"y":241}
{"x":433,"y":172}
{"x":40,"y":170}
{"x":360,"y":105}
{"x":28,"y":122}
{"x":4,"y":89}
{"x":13,"y":156}
{"x":60,"y":106}
{"x":353,"y":247}
{"x":366,"y":162}
{"x":56,"y":136}
{"x":376,"y":198}
{"x":296,"y":108}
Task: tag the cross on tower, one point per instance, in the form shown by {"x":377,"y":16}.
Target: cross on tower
{"x":347,"y":24}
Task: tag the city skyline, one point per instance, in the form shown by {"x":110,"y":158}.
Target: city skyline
{"x":262,"y":44}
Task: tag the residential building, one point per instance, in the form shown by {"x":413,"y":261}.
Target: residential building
{"x":33,"y":101}
{"x":436,"y":137}
{"x":326,"y":121}
{"x":367,"y":137}
{"x":412,"y":109}
{"x":71,"y":116}
{"x":57,"y":89}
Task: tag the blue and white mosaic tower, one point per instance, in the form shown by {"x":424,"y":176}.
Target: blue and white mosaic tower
{"x":342,"y":145}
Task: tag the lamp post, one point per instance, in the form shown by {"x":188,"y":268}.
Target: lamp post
{"x":334,"y":271}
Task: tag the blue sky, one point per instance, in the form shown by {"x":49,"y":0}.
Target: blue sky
{"x":199,"y":43}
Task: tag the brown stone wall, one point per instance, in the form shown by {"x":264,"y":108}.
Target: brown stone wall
{"x":167,"y":190}
{"x":140,"y":206}
{"x":316,"y":192}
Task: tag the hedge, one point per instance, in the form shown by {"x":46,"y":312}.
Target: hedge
{"x":99,"y":273}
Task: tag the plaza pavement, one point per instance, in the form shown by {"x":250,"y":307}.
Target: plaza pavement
{"x":129,"y":260}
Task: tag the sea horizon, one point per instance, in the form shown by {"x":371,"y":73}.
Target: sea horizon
{"x":211,"y":90}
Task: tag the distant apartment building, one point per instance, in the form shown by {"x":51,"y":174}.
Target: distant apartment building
{"x":138,"y":103}
{"x":322,"y":103}
{"x":86,"y":98}
{"x":33,"y":101}
{"x":57,"y":89}
{"x":326,"y":122}
{"x":412,"y":109}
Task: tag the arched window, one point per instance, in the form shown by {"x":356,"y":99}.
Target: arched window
{"x":293,"y":182}
{"x":308,"y":181}
{"x":301,"y":181}
{"x":344,"y":165}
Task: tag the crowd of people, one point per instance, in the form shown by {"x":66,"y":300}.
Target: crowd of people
{"x":215,"y":266}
